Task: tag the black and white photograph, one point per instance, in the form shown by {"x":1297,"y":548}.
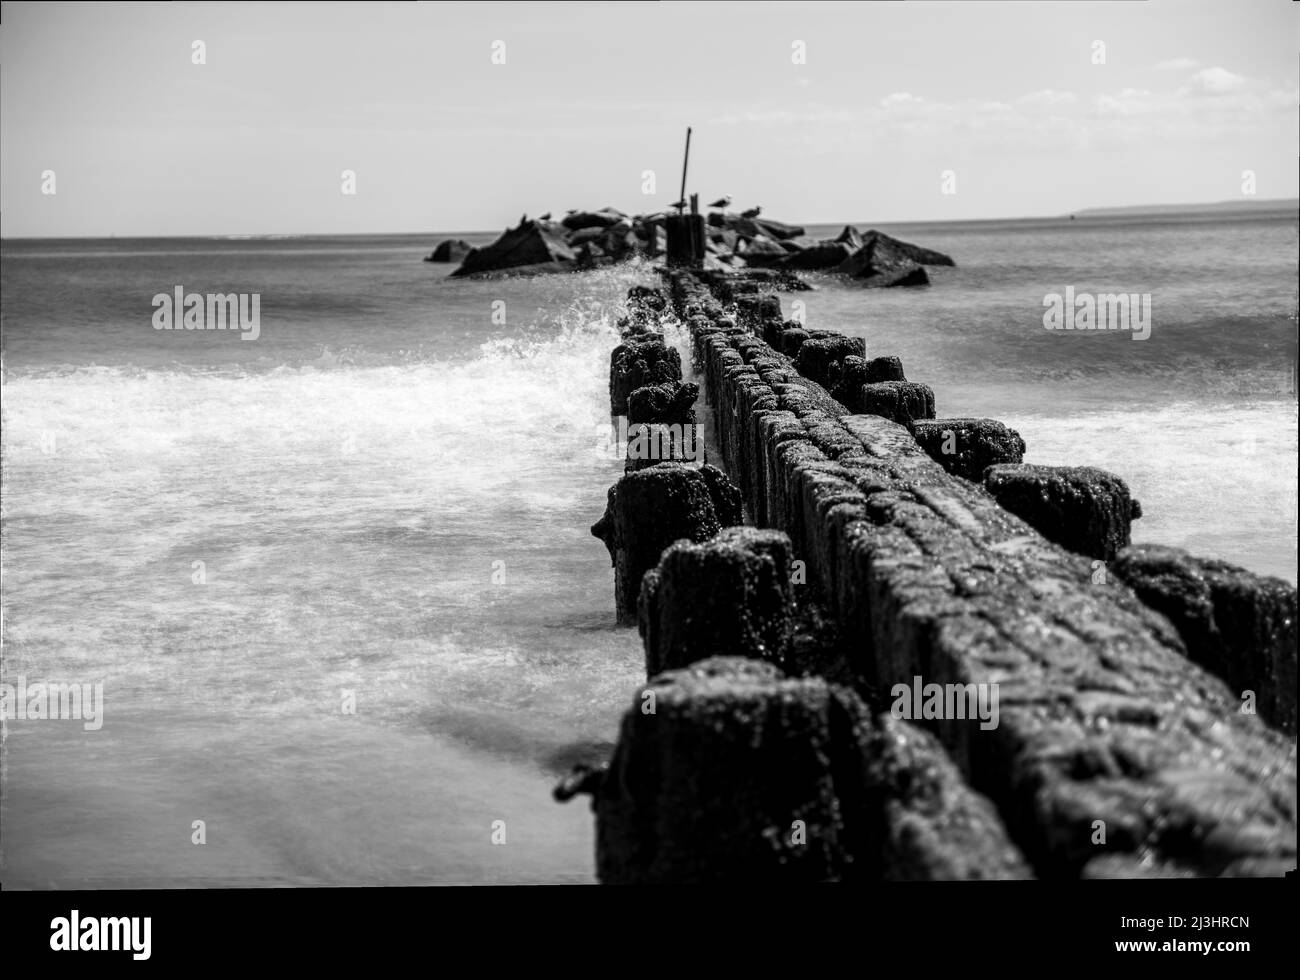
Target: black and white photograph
{"x":464,"y":445}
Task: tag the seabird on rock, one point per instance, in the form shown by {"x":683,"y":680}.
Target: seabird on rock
{"x":751,"y":213}
{"x":545,"y":217}
{"x":721,"y":202}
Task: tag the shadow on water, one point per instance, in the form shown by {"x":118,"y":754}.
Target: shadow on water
{"x":562,"y":760}
{"x":599,"y":621}
{"x":554,"y":751}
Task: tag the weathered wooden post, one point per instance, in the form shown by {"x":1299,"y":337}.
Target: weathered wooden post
{"x":685,"y":240}
{"x":698,"y":230}
{"x":685,"y":232}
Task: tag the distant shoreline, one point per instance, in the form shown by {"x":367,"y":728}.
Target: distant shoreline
{"x":1154,"y":210}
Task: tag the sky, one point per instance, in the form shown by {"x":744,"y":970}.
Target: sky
{"x":465,"y":116}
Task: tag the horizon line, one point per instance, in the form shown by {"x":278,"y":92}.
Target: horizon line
{"x":1117,"y":210}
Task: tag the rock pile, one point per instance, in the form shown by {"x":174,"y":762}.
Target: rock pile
{"x":589,"y":239}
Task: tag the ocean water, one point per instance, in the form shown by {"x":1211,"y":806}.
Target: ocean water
{"x":384,"y":501}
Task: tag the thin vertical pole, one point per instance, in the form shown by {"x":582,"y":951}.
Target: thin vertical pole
{"x":685,"y":160}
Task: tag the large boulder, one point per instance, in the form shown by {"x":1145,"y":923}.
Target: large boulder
{"x":644,"y":224}
{"x":877,"y":264}
{"x":851,"y":237}
{"x":909,"y":275}
{"x":917,"y":254}
{"x":762,"y":252}
{"x":651,"y":233}
{"x":450,"y":250}
{"x":591,"y":233}
{"x":748,"y":228}
{"x":799,"y":243}
{"x":753,"y":227}
{"x":533,"y":245}
{"x":577,"y":220}
{"x":725,"y":239}
{"x":885,"y":261}
{"x":619,"y":241}
{"x":823,"y":255}
{"x":778,"y":229}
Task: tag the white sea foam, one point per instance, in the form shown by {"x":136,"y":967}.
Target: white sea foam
{"x":1217,"y":481}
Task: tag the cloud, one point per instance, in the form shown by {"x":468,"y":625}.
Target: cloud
{"x":1177,"y":64}
{"x":900,"y":99}
{"x":1214,"y":81}
{"x":1128,"y":102}
{"x":1214,"y":104}
{"x":785,"y":117}
{"x":1047,"y":97}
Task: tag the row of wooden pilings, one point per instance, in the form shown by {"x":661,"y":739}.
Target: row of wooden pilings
{"x":819,"y":686}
